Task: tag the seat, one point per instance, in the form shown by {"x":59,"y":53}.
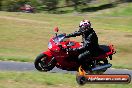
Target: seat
{"x":104,"y":48}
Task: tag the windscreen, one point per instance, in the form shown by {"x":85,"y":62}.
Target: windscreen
{"x":59,"y":38}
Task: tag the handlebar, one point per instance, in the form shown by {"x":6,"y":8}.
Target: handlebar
{"x":65,"y":49}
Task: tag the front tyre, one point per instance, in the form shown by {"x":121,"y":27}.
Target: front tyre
{"x":42,"y":63}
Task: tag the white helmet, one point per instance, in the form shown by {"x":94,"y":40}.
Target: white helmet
{"x":85,"y":24}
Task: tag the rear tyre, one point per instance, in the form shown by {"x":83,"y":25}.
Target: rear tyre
{"x":42,"y":64}
{"x":100,"y":64}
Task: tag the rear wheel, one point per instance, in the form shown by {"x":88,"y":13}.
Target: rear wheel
{"x":42,"y":64}
{"x":100,"y":64}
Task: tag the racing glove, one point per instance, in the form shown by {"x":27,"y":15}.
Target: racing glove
{"x":68,"y":35}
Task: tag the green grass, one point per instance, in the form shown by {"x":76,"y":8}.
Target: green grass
{"x":127,"y":10}
{"x":15,"y":58}
{"x":38,"y":77}
{"x":119,"y":10}
{"x":100,"y":22}
{"x":47,"y":80}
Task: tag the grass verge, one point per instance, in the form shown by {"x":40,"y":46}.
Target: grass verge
{"x":47,"y":80}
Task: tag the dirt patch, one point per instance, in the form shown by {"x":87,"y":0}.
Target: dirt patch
{"x":128,"y":36}
{"x":22,"y":20}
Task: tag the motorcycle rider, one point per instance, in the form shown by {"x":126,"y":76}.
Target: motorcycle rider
{"x":90,"y":42}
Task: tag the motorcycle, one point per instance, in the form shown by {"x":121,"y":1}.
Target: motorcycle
{"x":58,"y":55}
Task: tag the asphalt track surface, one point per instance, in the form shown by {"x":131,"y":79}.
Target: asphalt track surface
{"x":24,"y":66}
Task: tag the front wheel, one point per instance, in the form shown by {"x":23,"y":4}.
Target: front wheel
{"x":42,"y":63}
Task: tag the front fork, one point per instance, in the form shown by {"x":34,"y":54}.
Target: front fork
{"x":53,"y":60}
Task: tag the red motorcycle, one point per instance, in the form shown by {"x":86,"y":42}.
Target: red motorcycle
{"x":59,"y":56}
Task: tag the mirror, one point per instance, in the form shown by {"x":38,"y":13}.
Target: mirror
{"x":56,"y":29}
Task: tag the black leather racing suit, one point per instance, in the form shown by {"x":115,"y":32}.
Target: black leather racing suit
{"x":90,"y":44}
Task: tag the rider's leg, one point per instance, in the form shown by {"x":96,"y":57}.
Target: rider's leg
{"x":82,"y":59}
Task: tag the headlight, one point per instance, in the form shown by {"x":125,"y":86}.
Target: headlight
{"x":49,"y":45}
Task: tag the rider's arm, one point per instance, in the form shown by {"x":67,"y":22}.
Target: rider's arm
{"x":86,"y":43}
{"x":76,"y":33}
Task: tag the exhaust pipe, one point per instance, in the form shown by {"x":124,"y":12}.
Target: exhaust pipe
{"x":102,"y":67}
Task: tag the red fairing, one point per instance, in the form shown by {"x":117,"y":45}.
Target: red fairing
{"x":48,"y":53}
